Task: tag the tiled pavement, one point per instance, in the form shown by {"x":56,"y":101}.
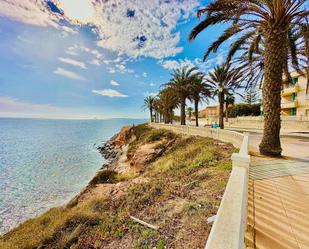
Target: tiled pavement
{"x":278,"y":204}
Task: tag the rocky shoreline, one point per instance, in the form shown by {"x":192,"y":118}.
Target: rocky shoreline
{"x":112,"y":149}
{"x":109,"y":152}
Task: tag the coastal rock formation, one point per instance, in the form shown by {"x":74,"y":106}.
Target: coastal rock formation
{"x":112,"y":149}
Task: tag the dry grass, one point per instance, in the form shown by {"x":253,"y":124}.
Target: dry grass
{"x":177,"y":192}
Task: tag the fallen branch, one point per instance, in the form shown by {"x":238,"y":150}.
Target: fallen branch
{"x":144,"y":223}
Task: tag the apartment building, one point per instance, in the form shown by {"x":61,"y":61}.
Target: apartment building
{"x":295,"y":100}
{"x":210,"y":112}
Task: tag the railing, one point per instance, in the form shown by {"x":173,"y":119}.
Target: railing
{"x":228,"y":231}
{"x":289,"y":89}
{"x":289,"y":104}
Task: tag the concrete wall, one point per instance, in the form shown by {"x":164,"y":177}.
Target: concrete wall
{"x":296,"y":123}
{"x":228,"y":231}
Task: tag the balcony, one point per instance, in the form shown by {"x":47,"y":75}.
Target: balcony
{"x":289,"y":104}
{"x":289,"y":89}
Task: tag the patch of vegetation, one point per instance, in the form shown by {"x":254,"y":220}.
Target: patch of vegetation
{"x":104,"y":176}
{"x":159,"y":134}
{"x":146,"y":194}
{"x":144,"y":134}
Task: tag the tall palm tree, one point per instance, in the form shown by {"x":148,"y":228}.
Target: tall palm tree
{"x":224,"y":80}
{"x":169,"y":101}
{"x":180,"y":83}
{"x":199,"y":91}
{"x":272,"y":20}
{"x":149,"y":104}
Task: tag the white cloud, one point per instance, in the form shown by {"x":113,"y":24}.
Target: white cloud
{"x":144,"y":74}
{"x":152,"y":84}
{"x":28,"y":11}
{"x":73,"y":62}
{"x":197,"y":62}
{"x":12,"y":107}
{"x":174,"y":64}
{"x":68,"y":74}
{"x":142,"y":28}
{"x":22,"y":39}
{"x":71,"y":52}
{"x":114,"y":83}
{"x":139,"y":28}
{"x":153,"y":94}
{"x":81,"y":48}
{"x":120,"y":68}
{"x":110,"y":93}
{"x":111,"y":70}
{"x":95,"y":62}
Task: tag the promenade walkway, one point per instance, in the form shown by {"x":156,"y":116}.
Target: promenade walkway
{"x":278,"y":198}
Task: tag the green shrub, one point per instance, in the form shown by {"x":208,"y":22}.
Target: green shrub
{"x":245,"y":110}
{"x":158,"y":134}
{"x":104,"y":176}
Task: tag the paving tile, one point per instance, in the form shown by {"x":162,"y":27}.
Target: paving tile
{"x":279,"y":204}
{"x":301,"y":246}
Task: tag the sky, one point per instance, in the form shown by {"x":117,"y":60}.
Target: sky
{"x":94,"y":58}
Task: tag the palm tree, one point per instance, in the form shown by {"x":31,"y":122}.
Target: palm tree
{"x":272,"y":20}
{"x":168,"y":100}
{"x":189,"y":111}
{"x":199,"y":91}
{"x":180,"y":83}
{"x":224,"y":80}
{"x":156,"y":109}
{"x":229,"y":100}
{"x":149,"y":104}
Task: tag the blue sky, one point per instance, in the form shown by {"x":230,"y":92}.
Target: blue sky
{"x":87,"y":59}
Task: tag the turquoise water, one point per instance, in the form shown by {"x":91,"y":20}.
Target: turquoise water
{"x":45,"y":163}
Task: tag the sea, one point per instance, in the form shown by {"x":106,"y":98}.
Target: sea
{"x":45,"y":163}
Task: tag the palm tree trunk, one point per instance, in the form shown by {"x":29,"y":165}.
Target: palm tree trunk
{"x":183,"y":111}
{"x":196,"y":112}
{"x":221,"y":102}
{"x":275,"y":55}
{"x":171,"y":116}
{"x":226,"y":112}
{"x":151,"y":118}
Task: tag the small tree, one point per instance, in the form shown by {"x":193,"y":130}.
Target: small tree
{"x":189,"y":112}
{"x":251,"y":96}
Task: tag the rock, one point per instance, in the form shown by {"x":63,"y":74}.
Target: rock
{"x":211,"y":219}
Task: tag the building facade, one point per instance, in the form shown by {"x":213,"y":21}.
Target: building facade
{"x":294,"y":97}
{"x":210,"y":112}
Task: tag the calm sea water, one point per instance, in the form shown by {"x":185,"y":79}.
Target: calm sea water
{"x":45,"y":163}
